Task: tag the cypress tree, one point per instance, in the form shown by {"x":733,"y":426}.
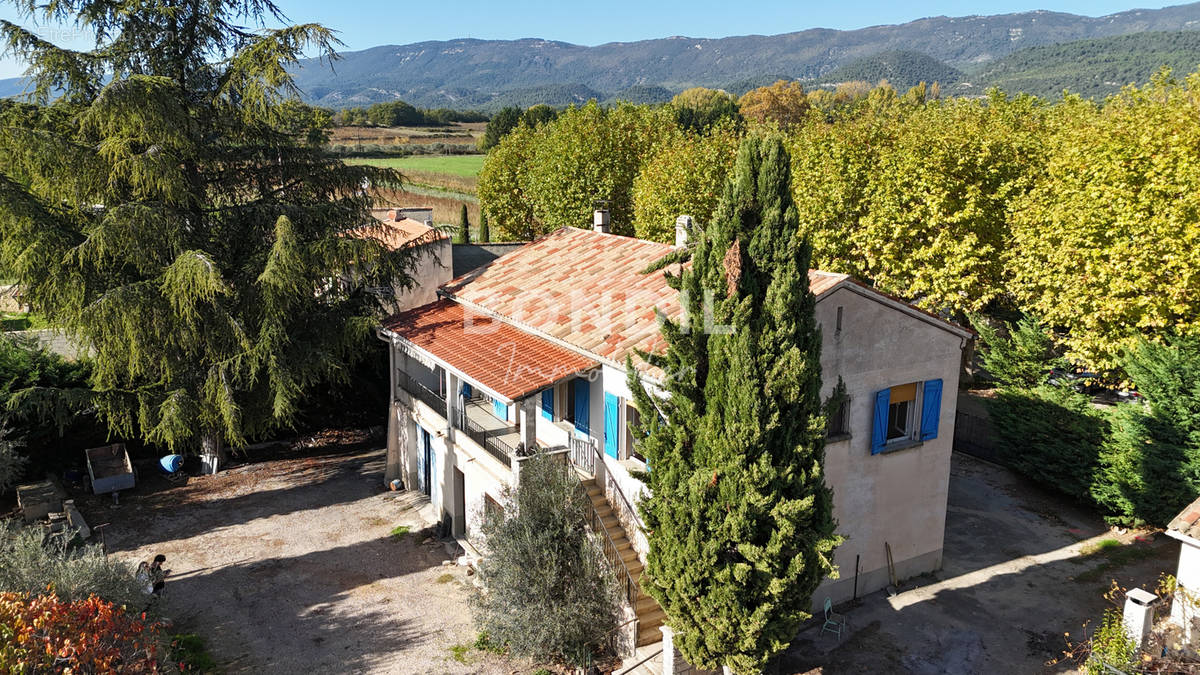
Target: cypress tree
{"x":167,"y":211}
{"x":485,"y":235}
{"x":740,"y":520}
{"x":464,"y":228}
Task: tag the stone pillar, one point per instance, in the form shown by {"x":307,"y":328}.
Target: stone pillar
{"x":392,"y":469}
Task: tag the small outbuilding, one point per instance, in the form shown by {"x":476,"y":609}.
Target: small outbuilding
{"x":1185,"y":608}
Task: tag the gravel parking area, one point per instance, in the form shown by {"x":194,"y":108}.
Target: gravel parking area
{"x":1020,"y":569}
{"x":290,"y":565}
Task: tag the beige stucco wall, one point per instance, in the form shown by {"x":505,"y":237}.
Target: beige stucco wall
{"x":433,"y":268}
{"x":897,"y":497}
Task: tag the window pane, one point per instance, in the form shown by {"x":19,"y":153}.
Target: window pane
{"x":898,"y":420}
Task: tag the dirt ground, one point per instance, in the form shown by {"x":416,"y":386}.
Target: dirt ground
{"x":1017,"y":575}
{"x":290,"y":566}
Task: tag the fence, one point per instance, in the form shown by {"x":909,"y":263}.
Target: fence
{"x":973,"y":435}
{"x":488,"y":439}
{"x":583,"y":454}
{"x":422,"y":393}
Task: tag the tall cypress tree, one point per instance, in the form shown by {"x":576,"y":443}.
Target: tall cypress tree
{"x":464,"y":227}
{"x":485,"y":234}
{"x":740,"y":520}
{"x":169,"y":211}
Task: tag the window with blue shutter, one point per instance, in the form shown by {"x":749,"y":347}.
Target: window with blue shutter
{"x":500,"y":409}
{"x":466,"y":390}
{"x":582,"y":405}
{"x":931,"y":409}
{"x":612,"y":425}
{"x":548,"y":403}
{"x":879,"y":430}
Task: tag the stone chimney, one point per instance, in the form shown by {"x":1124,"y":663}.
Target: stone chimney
{"x":683,"y":225}
{"x":600,"y":221}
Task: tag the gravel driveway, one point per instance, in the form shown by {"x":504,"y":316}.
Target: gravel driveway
{"x":289,"y":566}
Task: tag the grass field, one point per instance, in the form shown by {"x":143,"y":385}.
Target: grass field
{"x":463,"y":166}
{"x":457,"y":134}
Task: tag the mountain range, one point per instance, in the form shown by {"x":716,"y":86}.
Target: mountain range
{"x":472,"y":73}
{"x":1040,"y":52}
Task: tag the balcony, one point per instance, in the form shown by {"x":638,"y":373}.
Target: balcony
{"x":422,"y":393}
{"x":499,"y":438}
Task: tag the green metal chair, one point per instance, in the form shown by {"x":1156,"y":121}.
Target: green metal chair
{"x":834,"y":622}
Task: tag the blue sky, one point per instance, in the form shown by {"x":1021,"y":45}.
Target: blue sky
{"x":368,"y":23}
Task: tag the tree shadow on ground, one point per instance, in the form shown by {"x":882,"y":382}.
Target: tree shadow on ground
{"x":347,"y":608}
{"x":236,"y":497}
{"x":1015,"y":579}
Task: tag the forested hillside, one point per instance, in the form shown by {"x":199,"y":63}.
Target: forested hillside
{"x":903,"y":69}
{"x":484,"y":73}
{"x":1092,"y":67}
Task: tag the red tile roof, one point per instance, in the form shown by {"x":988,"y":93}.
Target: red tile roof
{"x":1187,"y":523}
{"x":587,"y":289}
{"x":506,"y":360}
{"x":579,"y":286}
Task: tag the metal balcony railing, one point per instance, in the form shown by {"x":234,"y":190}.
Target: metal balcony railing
{"x":422,"y":393}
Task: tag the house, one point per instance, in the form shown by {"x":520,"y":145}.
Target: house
{"x":1185,"y":608}
{"x":531,"y":350}
{"x":413,"y":227}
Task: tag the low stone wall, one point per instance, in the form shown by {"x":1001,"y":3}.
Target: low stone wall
{"x":54,"y":341}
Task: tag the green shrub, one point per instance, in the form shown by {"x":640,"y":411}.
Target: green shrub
{"x":1150,"y":465}
{"x":1025,"y":358}
{"x":547,"y":591}
{"x":33,"y":563}
{"x":1051,"y":434}
{"x":1112,"y":647}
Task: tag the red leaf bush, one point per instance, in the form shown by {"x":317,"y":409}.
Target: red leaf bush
{"x":42,"y":634}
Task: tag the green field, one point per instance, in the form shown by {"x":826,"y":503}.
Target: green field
{"x":465,"y":166}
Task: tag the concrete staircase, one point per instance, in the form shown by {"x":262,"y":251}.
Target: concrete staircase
{"x":650,"y":615}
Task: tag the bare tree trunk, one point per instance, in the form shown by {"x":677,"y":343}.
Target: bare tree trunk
{"x":212,"y":446}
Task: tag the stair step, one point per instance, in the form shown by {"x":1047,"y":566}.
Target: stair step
{"x":655,"y":617}
{"x":648,"y":636}
{"x":645,"y":604}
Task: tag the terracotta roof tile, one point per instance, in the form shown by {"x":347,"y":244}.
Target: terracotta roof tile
{"x":587,"y":289}
{"x":509,"y":361}
{"x":1186,"y":522}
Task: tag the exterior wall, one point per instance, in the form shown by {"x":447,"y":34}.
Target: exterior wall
{"x":432,"y":269}
{"x":1185,"y":614}
{"x":897,"y":497}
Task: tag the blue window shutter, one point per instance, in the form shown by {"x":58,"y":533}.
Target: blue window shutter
{"x":931,"y":409}
{"x":612,"y":412}
{"x":466,"y":390}
{"x":582,"y":405}
{"x":548,"y":404}
{"x":500,"y":409}
{"x":879,"y":432}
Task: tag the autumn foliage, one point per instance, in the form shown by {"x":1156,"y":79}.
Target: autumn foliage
{"x":43,"y":634}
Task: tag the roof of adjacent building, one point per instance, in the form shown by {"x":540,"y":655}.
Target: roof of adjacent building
{"x":1187,"y":523}
{"x":397,"y":232}
{"x":508,"y":361}
{"x":586,"y":289}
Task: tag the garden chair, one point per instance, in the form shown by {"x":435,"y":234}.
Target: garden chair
{"x":834,"y":622}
